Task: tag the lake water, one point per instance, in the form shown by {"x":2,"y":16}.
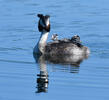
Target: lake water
{"x":19,"y":34}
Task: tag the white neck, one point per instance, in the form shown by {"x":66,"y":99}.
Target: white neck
{"x":43,"y":67}
{"x":40,"y":47}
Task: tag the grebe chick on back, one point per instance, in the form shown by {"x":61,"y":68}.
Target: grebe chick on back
{"x":54,"y":37}
{"x":61,"y":47}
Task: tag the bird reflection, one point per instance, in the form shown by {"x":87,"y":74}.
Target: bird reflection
{"x":72,"y":62}
{"x":42,"y":80}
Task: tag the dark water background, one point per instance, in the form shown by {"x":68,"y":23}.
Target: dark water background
{"x":18,"y":36}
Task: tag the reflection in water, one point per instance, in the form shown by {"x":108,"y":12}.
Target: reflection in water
{"x":72,"y":60}
{"x":42,"y":83}
{"x":42,"y":80}
{"x":65,"y":68}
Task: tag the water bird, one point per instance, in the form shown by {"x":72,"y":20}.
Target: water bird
{"x":54,"y":37}
{"x":62,"y":47}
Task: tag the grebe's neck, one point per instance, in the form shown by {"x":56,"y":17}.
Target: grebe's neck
{"x":40,"y":47}
{"x":43,"y":37}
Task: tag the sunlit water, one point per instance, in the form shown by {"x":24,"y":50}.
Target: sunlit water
{"x":18,"y":36}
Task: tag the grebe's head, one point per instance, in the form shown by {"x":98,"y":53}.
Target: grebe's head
{"x":44,"y":23}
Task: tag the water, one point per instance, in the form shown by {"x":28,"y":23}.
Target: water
{"x":19,"y":35}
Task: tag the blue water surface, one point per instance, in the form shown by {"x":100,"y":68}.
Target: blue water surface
{"x":19,"y":35}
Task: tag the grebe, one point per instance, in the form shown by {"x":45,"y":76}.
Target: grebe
{"x":71,"y":46}
{"x":54,"y":37}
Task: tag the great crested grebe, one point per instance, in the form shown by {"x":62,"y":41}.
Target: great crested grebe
{"x":71,"y":46}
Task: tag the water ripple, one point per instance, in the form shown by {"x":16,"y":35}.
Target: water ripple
{"x":12,"y":49}
{"x":14,"y":61}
